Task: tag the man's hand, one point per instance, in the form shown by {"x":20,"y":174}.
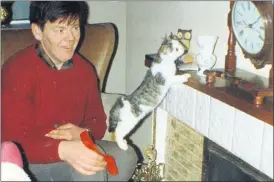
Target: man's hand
{"x":82,"y":159}
{"x":66,"y":132}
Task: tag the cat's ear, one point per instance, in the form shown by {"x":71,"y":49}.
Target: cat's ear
{"x":165,"y":40}
{"x":168,"y":37}
{"x":173,"y":37}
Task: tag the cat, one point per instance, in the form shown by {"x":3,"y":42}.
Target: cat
{"x":129,"y":109}
{"x":12,"y":164}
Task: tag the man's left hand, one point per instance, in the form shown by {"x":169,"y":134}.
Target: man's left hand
{"x":67,"y":131}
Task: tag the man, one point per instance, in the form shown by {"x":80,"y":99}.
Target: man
{"x":50,"y":95}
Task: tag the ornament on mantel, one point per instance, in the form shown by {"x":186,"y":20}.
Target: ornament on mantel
{"x":206,"y":58}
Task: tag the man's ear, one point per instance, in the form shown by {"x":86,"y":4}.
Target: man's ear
{"x":37,"y":32}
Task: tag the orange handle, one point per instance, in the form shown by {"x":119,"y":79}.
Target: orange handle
{"x":111,"y":164}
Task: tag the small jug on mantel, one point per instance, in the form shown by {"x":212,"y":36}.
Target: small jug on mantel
{"x":205,"y":58}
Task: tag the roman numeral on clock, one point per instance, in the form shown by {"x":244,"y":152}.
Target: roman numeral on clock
{"x":243,"y":7}
{"x":241,"y":33}
{"x":261,"y":37}
{"x":239,"y":13}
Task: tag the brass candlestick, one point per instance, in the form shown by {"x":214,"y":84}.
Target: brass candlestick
{"x":149,"y":170}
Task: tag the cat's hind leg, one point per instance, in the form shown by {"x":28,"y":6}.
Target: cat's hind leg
{"x":127,"y":122}
{"x":122,"y":143}
{"x":123,"y":128}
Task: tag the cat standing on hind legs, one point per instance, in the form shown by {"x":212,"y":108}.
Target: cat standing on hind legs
{"x":130,"y":109}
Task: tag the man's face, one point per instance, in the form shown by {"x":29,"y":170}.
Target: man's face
{"x":59,"y":39}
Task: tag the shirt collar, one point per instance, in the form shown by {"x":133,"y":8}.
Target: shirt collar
{"x":43,"y":55}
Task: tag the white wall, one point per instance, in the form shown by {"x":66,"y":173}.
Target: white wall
{"x":115,"y":12}
{"x":149,"y":21}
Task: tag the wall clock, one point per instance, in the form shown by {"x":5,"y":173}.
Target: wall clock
{"x":252,"y":25}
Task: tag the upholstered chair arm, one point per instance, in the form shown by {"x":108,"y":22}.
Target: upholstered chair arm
{"x":108,"y":100}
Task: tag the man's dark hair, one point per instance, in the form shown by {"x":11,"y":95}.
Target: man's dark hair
{"x":44,"y":11}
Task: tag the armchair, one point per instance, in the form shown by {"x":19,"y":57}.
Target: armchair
{"x":98,"y":45}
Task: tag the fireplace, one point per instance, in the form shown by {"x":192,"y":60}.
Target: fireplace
{"x":221,"y":165}
{"x":190,"y":156}
{"x":187,"y":119}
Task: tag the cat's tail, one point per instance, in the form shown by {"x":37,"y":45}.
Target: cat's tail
{"x":114,"y":114}
{"x":112,"y":127}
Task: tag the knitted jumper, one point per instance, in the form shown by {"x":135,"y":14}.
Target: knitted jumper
{"x":36,"y":97}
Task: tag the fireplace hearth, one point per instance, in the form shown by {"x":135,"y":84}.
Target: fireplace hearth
{"x":221,"y":165}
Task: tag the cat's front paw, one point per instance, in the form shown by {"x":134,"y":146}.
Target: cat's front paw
{"x":186,"y":76}
{"x":122,"y":144}
{"x":180,"y":78}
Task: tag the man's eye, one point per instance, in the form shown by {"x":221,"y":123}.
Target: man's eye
{"x":59,"y":30}
{"x":76,"y":28}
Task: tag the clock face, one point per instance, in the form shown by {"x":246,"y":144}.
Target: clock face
{"x":248,"y":26}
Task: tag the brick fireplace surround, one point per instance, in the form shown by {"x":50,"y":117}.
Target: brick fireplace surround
{"x":188,"y":114}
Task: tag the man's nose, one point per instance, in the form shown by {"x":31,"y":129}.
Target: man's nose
{"x":69,"y":35}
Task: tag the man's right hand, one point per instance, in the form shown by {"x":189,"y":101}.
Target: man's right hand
{"x":82,"y":159}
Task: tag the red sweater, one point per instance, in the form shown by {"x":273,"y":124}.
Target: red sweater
{"x":34,"y":97}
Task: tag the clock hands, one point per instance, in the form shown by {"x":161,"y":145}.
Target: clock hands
{"x":256,"y":30}
{"x":245,"y":24}
{"x":253,"y":28}
{"x":250,"y":25}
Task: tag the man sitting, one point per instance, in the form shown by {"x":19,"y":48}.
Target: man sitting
{"x":50,"y":96}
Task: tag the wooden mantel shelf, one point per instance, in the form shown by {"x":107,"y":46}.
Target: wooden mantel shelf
{"x":230,"y":95}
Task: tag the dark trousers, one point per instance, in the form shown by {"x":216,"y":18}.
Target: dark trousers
{"x":61,"y":171}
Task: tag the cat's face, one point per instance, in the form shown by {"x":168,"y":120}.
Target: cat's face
{"x":172,"y":48}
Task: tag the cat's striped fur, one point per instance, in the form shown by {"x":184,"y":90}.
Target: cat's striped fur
{"x":130,"y":109}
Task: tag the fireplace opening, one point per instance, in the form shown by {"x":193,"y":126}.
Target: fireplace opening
{"x":221,"y":165}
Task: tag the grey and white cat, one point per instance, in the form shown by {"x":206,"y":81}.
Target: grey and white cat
{"x":128,"y":110}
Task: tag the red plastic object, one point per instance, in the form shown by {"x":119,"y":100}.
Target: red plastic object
{"x":111,"y":164}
